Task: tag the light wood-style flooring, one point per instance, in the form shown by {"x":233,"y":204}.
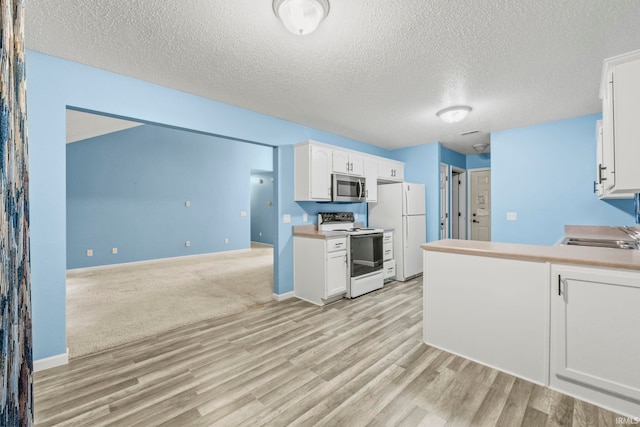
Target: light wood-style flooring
{"x":354,"y":363}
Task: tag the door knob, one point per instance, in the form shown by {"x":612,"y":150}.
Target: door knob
{"x":476,"y":221}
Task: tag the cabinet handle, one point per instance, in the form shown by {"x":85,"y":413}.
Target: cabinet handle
{"x":347,"y":166}
{"x":559,"y":285}
{"x":600,"y":169}
{"x":351,"y":166}
{"x":595,"y":183}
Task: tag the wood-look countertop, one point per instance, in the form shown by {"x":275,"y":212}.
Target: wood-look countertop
{"x":587,"y":256}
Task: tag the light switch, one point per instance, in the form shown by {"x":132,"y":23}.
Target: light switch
{"x":114,"y":251}
{"x":187,"y":203}
{"x":187,"y":243}
{"x":89,"y":252}
{"x":226,"y":240}
{"x":286,"y":219}
{"x":512,"y":216}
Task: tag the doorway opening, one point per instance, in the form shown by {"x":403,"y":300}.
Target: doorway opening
{"x":458,"y":203}
{"x":262,"y":208}
{"x":158,"y":221}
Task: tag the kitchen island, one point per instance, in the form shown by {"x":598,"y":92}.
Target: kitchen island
{"x":560,"y":316}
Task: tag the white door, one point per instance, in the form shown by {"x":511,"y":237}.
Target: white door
{"x":444,"y":201}
{"x":414,"y":197}
{"x":336,"y":273}
{"x":414,"y":229}
{"x":481,"y":205}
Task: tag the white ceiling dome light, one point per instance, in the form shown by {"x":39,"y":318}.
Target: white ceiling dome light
{"x":481,"y":147}
{"x":301,"y":16}
{"x":454,"y":114}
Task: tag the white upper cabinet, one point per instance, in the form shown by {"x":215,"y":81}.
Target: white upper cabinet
{"x":371,"y":177}
{"x":314,"y":163}
{"x":390,"y":170}
{"x":348,"y":163}
{"x":603,"y":158}
{"x":312,"y":174}
{"x":620,"y":92}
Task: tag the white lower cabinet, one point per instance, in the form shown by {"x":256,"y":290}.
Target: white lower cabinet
{"x":320,"y":269}
{"x":336,"y":280}
{"x":595,"y":335}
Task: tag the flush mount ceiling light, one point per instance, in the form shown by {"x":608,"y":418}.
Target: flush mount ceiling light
{"x":454,"y":114}
{"x":480,"y":147}
{"x":301,"y":16}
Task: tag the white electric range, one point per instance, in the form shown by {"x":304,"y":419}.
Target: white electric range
{"x":364,"y":252}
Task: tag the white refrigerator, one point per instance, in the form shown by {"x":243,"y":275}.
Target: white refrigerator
{"x":402,"y":207}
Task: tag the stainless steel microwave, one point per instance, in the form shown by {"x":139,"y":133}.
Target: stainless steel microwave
{"x":346,"y":188}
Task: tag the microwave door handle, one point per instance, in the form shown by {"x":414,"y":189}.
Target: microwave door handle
{"x":360,"y":189}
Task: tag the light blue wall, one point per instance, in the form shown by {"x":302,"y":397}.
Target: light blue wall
{"x":452,"y":158}
{"x":477,"y":161}
{"x":422,"y":165}
{"x":127,"y":190}
{"x":545,"y":173}
{"x":263,"y":214}
{"x":54,"y":84}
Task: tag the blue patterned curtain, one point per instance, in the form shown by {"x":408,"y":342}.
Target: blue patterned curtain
{"x":16,"y":363}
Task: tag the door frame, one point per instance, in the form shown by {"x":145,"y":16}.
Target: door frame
{"x":462,"y":201}
{"x":444,"y":204}
{"x":469,"y":197}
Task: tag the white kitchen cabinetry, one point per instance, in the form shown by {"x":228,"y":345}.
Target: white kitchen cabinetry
{"x":314,"y":163}
{"x":603,"y":158}
{"x":320,"y":270}
{"x":371,"y":178}
{"x":620,"y":93}
{"x":389,"y":263}
{"x":312,"y":175}
{"x":348,"y":163}
{"x":594,"y":335}
{"x":389,"y":170}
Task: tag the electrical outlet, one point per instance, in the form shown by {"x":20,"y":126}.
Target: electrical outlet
{"x":512,"y":216}
{"x":243,"y":213}
{"x":187,"y":203}
{"x":286,"y":218}
{"x":89,"y":252}
{"x":305,"y":217}
{"x":187,"y":243}
{"x":226,"y":240}
{"x":114,"y":250}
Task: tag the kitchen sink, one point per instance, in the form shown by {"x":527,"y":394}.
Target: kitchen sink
{"x":601,"y":243}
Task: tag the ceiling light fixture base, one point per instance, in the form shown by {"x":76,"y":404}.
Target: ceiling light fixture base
{"x":480,"y":148}
{"x":301,"y":17}
{"x":454,"y":114}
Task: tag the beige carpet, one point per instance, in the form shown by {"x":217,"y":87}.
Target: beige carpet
{"x":110,"y":306}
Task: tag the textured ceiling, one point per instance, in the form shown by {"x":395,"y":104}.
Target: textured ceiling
{"x":375,"y":71}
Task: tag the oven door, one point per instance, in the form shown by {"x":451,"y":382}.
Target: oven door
{"x":366,"y":253}
{"x":348,"y":188}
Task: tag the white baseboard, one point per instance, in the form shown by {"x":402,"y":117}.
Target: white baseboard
{"x":51,"y":362}
{"x":149,"y":261}
{"x":282,"y":297}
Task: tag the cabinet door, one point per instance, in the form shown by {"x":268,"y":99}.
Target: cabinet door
{"x":598,"y":185}
{"x":385,"y":170}
{"x":336,"y":277}
{"x":371,"y":177}
{"x":320,"y":173}
{"x":595,"y":322}
{"x":340,"y":162}
{"x":356,"y":164}
{"x":398,"y":172}
{"x":626,"y":126}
